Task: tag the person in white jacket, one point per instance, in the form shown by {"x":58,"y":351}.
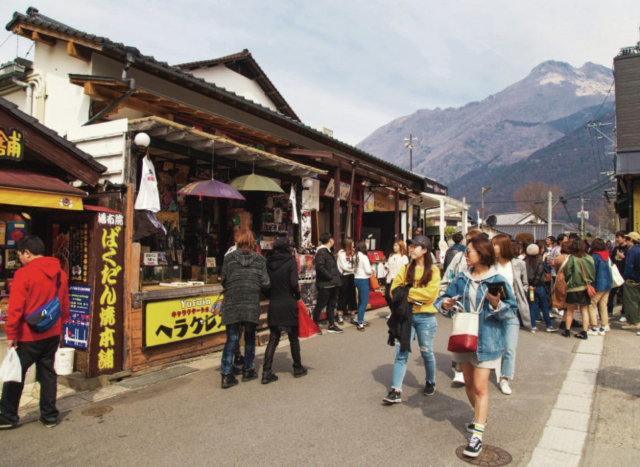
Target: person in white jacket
{"x":347,"y":295}
{"x":396,"y":260}
{"x":362,"y":273}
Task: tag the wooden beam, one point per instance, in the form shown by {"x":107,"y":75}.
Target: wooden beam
{"x":44,"y":38}
{"x":79,"y":51}
{"x":26,"y":30}
{"x":336,"y":210}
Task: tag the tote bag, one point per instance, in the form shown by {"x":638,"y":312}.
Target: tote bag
{"x":464,"y":331}
{"x":618,"y":280}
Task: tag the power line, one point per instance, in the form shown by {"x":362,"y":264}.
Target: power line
{"x":605,"y":99}
{"x":7,"y":39}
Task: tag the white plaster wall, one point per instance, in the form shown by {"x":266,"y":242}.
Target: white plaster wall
{"x":66,"y":104}
{"x":223,"y":77}
{"x":18,"y":97}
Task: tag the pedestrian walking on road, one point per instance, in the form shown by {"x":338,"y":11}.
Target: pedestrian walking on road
{"x":36,"y":283}
{"x":454,"y":249}
{"x":537,"y":293}
{"x":515,"y":272}
{"x":347,"y":296}
{"x":424,"y":278}
{"x":578,"y":272}
{"x":603,"y":283}
{"x":283,"y":308}
{"x":327,"y":282}
{"x":631,"y":286}
{"x":394,"y":264}
{"x":244,"y":276}
{"x":362,"y":275}
{"x":455,"y":267}
{"x":618,"y":258}
{"x":469,"y":291}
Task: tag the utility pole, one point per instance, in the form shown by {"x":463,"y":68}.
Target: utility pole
{"x":549,"y":214}
{"x":408,"y":143}
{"x":484,"y":190}
{"x":581,"y":217}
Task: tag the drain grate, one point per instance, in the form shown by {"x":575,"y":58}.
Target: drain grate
{"x":491,"y":456}
{"x":97,"y":411}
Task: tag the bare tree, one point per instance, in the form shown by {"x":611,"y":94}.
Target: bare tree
{"x":607,"y":219}
{"x":532,"y":198}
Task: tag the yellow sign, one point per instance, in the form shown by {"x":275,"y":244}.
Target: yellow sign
{"x":170,"y":321}
{"x":11,"y":144}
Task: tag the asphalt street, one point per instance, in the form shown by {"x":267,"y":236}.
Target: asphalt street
{"x":332,"y":417}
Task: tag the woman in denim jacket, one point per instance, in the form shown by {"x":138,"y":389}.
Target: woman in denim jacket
{"x":470,"y":291}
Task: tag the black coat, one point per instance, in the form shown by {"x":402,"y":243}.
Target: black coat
{"x":284,"y":293}
{"x":327,"y":273}
{"x":401,"y":318}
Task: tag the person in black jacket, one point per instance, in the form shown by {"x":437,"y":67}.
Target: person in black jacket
{"x":283,"y":308}
{"x":327,"y":282}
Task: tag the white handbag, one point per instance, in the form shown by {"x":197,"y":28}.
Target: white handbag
{"x":618,"y":280}
{"x":11,"y":369}
{"x":464,"y":332}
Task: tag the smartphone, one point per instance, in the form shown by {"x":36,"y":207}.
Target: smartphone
{"x":496,"y":288}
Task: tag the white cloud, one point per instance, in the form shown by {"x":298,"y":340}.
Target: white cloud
{"x":353,"y":65}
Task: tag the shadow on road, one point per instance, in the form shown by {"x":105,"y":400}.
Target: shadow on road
{"x":621,"y":378}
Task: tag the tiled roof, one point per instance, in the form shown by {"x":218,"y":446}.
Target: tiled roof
{"x":12,"y":108}
{"x":539,"y":231}
{"x":108,"y":46}
{"x":257,"y":74}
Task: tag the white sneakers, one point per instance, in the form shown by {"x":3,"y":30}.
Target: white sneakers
{"x":505,"y":388}
{"x":458,"y":378}
{"x":623,"y":319}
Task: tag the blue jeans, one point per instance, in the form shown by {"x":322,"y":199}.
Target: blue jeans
{"x":511,"y":329}
{"x":540,"y":301}
{"x":363,"y":297}
{"x":425,"y":326}
{"x":233,"y":334}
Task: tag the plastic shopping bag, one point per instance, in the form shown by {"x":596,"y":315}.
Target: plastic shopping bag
{"x":307,"y":327}
{"x":11,"y":370}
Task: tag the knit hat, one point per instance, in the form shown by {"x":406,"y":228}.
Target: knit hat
{"x":281,"y":244}
{"x":533,"y":250}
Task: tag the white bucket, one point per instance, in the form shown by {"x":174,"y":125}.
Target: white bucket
{"x":65,"y":357}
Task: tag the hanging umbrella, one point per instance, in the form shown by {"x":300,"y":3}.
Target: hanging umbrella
{"x":255,"y":182}
{"x":211,"y":189}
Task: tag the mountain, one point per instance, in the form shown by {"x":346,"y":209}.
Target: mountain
{"x":500,"y":130}
{"x":575,"y":162}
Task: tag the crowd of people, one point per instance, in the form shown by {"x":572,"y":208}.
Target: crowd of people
{"x":492,"y":288}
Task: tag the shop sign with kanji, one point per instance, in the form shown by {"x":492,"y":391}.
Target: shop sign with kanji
{"x":11,"y":144}
{"x":170,"y":321}
{"x":107,"y":322}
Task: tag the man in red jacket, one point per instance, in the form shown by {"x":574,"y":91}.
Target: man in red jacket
{"x":35,"y":284}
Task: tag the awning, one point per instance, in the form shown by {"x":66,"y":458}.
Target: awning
{"x":23,"y":188}
{"x":165,"y":129}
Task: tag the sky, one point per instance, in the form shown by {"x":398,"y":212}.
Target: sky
{"x":353,"y":66}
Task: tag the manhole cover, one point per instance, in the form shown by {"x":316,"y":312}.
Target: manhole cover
{"x":490,"y":456}
{"x":97,"y":411}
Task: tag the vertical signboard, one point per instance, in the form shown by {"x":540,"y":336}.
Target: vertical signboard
{"x":107,"y":319}
{"x":636,"y":206}
{"x":76,"y":330}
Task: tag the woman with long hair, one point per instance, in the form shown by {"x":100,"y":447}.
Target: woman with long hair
{"x":347,"y":296}
{"x":514,"y":271}
{"x":537,"y":293}
{"x":282,"y":315}
{"x":603,"y":284}
{"x":244,"y":276}
{"x":469,"y":292}
{"x":579,"y":271}
{"x":396,"y":260}
{"x":424,"y":278}
{"x":362,"y":273}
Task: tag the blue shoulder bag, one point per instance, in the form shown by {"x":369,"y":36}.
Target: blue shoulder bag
{"x":46,"y":315}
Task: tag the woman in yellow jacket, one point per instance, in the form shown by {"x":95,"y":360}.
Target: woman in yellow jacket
{"x":425,"y":278}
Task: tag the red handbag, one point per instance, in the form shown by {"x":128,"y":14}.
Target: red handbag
{"x":307,"y":327}
{"x":591,"y":290}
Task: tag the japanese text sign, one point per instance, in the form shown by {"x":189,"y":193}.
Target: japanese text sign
{"x":11,"y":144}
{"x":170,"y":321}
{"x":76,"y":330}
{"x":107,"y":321}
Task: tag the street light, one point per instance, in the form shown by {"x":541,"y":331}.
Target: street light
{"x":484,"y":190}
{"x":408,"y":143}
